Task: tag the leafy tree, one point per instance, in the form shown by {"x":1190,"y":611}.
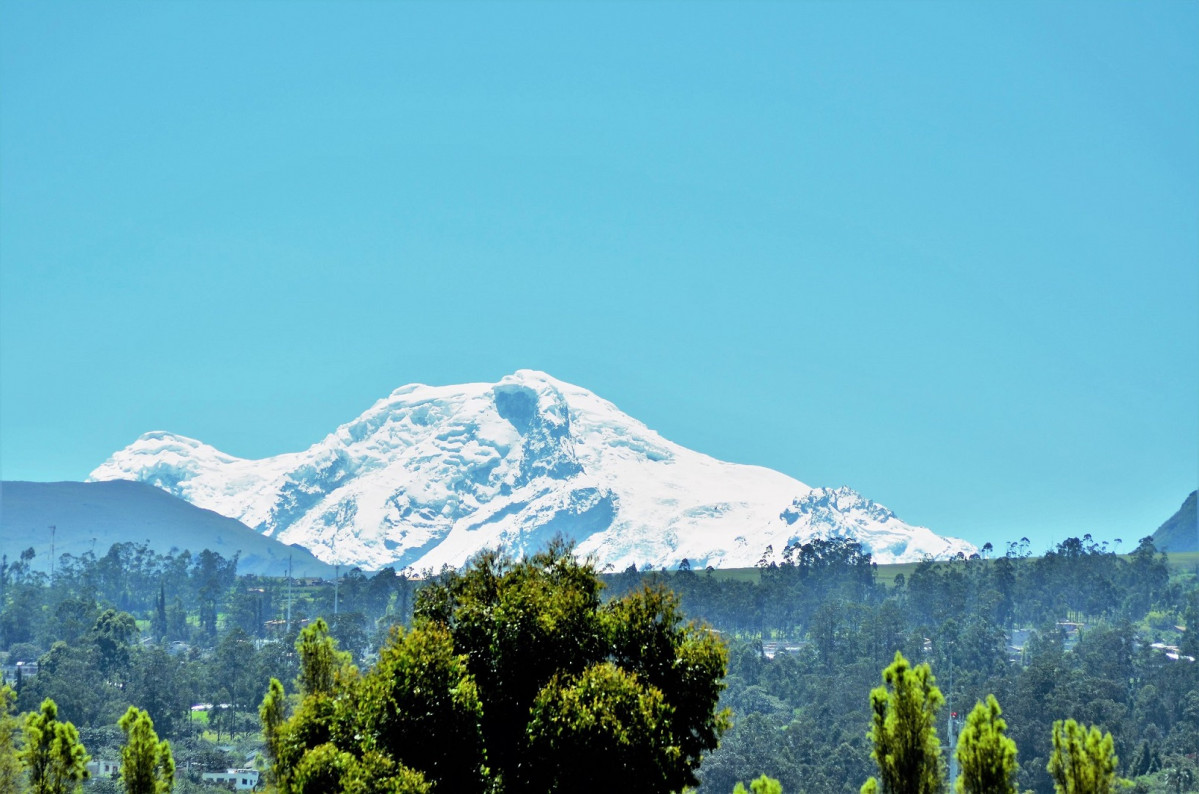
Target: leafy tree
{"x":1180,"y":778}
{"x":519,"y":624}
{"x":515,"y":675}
{"x":349,"y":629}
{"x":538,"y":622}
{"x":1145,"y":762}
{"x":73,"y":617}
{"x":328,"y":769}
{"x":53,"y":754}
{"x":986,"y":754}
{"x":353,"y":734}
{"x":211,"y":578}
{"x":420,"y":707}
{"x":904,"y":731}
{"x":112,"y":634}
{"x":763,"y":785}
{"x":603,"y":711}
{"x":232,"y":679}
{"x":147,"y":766}
{"x":11,"y":772}
{"x":1083,"y":761}
{"x":320,"y":660}
{"x":249,"y":607}
{"x":649,"y":637}
{"x":161,"y":684}
{"x":71,"y":677}
{"x":273,"y":714}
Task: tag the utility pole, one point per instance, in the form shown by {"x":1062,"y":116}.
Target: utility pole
{"x":336,"y":581}
{"x":289,"y":592}
{"x":953,"y":739}
{"x":53,"y":529}
{"x":953,"y":748}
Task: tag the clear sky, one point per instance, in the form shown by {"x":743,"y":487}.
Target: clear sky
{"x":944,"y":253}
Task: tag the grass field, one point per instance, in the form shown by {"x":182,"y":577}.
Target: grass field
{"x":886,"y":573}
{"x":1182,"y":562}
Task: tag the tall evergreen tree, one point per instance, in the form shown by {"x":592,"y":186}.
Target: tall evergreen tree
{"x":1083,"y":761}
{"x":904,"y":732}
{"x":147,"y":766}
{"x":763,"y":785}
{"x":53,"y":754}
{"x":986,"y":754}
{"x":11,"y":773}
{"x":320,"y":660}
{"x":158,"y":624}
{"x":273,"y":713}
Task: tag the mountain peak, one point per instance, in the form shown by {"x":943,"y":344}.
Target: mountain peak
{"x":532,"y":375}
{"x":431,"y":474}
{"x":165,"y":437}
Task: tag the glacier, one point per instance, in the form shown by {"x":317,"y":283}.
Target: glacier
{"x":430,"y":475}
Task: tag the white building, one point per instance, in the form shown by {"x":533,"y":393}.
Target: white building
{"x":242,"y":779}
{"x":98,"y":767}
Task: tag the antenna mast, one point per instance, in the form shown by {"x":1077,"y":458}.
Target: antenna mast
{"x":289,"y":592}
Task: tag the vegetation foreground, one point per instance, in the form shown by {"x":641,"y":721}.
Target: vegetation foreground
{"x":533,"y":676}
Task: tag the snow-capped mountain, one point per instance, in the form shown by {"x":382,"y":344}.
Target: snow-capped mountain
{"x":432,"y":474}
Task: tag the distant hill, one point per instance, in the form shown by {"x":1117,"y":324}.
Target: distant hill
{"x":1181,"y":530}
{"x":96,"y":515}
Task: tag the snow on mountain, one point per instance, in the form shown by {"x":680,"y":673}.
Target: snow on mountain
{"x":432,"y":474}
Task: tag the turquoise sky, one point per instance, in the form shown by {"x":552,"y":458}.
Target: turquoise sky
{"x":944,"y":253}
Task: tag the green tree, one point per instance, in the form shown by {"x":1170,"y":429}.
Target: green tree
{"x":165,"y":686}
{"x":904,"y":732}
{"x":231,"y":669}
{"x":515,"y":676}
{"x":986,"y":754}
{"x":71,"y":677}
{"x":605,"y":712}
{"x":763,"y":785}
{"x":539,"y":622}
{"x":158,"y":623}
{"x":320,"y":660}
{"x":212,"y":576}
{"x":112,"y":634}
{"x":352,"y":733}
{"x":519,"y":624}
{"x":1180,"y":778}
{"x":11,"y":772}
{"x":649,"y":636}
{"x":420,"y":707}
{"x":147,"y":766}
{"x":327,"y":769}
{"x":273,"y":714}
{"x":53,"y":754}
{"x":1083,"y":760}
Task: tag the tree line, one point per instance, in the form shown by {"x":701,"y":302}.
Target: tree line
{"x":810,"y":631}
{"x":1065,"y":635}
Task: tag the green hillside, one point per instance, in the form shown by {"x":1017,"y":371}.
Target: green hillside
{"x":1181,"y":530}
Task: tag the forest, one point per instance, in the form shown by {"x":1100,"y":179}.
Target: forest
{"x":1079,"y":633}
